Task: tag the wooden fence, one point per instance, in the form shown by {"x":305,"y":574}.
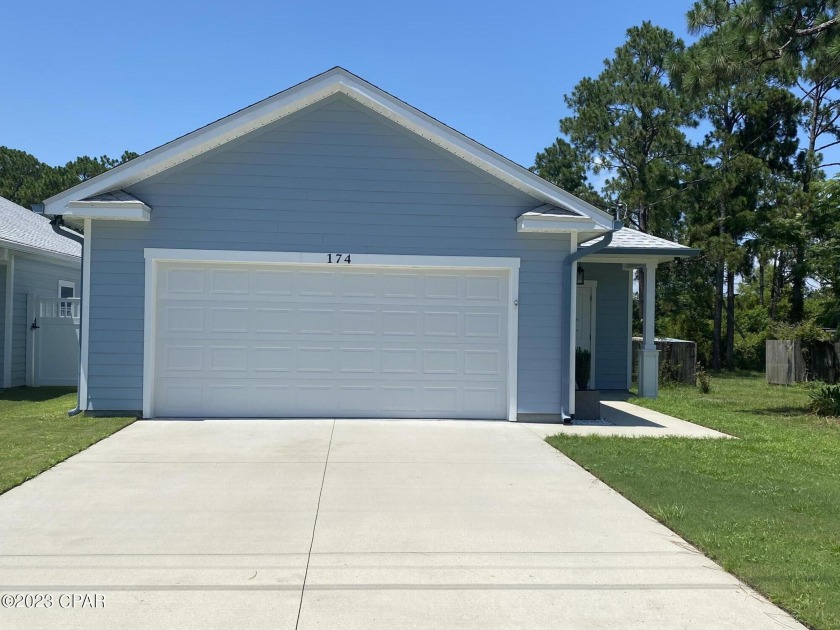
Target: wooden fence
{"x":677,"y":360}
{"x":791,"y":361}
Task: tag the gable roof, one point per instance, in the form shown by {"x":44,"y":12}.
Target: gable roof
{"x":24,"y":230}
{"x":334,"y":81}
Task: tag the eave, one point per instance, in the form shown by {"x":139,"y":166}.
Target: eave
{"x":134,"y":210}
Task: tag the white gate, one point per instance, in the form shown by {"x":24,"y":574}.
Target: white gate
{"x":52,"y":353}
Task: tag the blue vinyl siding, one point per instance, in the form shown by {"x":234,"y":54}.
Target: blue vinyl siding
{"x":611,"y":313}
{"x":335,"y":177}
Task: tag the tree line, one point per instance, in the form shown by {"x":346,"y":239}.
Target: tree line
{"x":722,"y":145}
{"x":26,"y":180}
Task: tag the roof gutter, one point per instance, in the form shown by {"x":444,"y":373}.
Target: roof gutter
{"x":566,"y":349}
{"x":56,"y":222}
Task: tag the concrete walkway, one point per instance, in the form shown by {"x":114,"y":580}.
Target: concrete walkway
{"x":349,"y":524}
{"x":629,"y":420}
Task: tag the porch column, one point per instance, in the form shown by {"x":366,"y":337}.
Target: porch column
{"x":649,"y":355}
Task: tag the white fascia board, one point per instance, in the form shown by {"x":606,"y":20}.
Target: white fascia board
{"x":35,"y":252}
{"x":107,"y":210}
{"x":555,"y":223}
{"x":301,"y":96}
{"x":629,"y":260}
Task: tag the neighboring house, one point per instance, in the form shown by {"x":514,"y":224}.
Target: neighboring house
{"x":333,"y":252}
{"x":38,"y":269}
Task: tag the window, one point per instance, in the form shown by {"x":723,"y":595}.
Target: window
{"x":66,"y":289}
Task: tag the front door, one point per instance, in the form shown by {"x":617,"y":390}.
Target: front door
{"x":585,"y":325}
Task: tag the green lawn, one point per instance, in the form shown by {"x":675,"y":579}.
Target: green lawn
{"x":766,"y":506}
{"x":36,"y":433}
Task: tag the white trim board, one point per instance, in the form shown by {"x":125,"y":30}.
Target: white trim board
{"x":321,"y":258}
{"x":108,"y":210}
{"x":35,"y":252}
{"x":154,"y":256}
{"x":630,"y":273}
{"x":85,"y":332}
{"x":334,"y":81}
{"x":7,"y":322}
{"x":593,"y":314}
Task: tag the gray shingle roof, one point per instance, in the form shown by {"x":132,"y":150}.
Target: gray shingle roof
{"x":19,"y":226}
{"x":630,"y":240}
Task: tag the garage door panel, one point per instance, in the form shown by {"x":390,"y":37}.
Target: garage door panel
{"x":182,"y":280}
{"x":286,"y":341}
{"x":483,"y":325}
{"x":355,"y":284}
{"x":483,"y":288}
{"x":229,"y":282}
{"x":181,"y":319}
{"x":442,"y":287}
{"x":273,"y":359}
{"x":272,"y":321}
{"x":315,"y":284}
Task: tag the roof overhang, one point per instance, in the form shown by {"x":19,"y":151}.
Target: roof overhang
{"x":635,"y":257}
{"x":134,"y":210}
{"x":10,"y":247}
{"x":335,"y":81}
{"x":554,"y":224}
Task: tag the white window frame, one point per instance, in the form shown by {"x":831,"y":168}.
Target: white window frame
{"x":65,"y":284}
{"x":65,"y":309}
{"x":155,"y":256}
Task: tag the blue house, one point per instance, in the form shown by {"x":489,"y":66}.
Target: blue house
{"x":332,"y":251}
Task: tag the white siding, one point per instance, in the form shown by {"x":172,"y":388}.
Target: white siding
{"x":2,"y":320}
{"x":38,"y":276}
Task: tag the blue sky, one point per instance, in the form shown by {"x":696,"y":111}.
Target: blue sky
{"x":97,"y":78}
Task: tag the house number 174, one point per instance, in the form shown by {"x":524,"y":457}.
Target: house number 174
{"x":338,"y":258}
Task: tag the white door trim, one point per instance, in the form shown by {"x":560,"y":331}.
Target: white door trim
{"x":593,"y":284}
{"x":85,"y":332}
{"x":154,"y":256}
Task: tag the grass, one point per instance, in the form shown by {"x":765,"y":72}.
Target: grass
{"x":36,"y":433}
{"x":766,"y":506}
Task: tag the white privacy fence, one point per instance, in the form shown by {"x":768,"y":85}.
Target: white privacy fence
{"x":52,"y":350}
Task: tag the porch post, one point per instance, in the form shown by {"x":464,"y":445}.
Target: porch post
{"x":572,"y":329}
{"x":649,"y":355}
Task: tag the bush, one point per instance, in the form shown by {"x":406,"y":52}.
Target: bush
{"x":704,"y":379}
{"x":750,"y":350}
{"x":806,"y":331}
{"x":825,"y":400}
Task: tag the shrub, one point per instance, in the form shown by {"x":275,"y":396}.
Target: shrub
{"x":806,"y":331}
{"x":704,"y":379}
{"x":583,"y":367}
{"x":750,"y":350}
{"x":825,"y":400}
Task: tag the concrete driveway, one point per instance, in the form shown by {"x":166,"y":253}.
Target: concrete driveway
{"x":348,"y":524}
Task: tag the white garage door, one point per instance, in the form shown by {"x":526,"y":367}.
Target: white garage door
{"x":268,"y":340}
